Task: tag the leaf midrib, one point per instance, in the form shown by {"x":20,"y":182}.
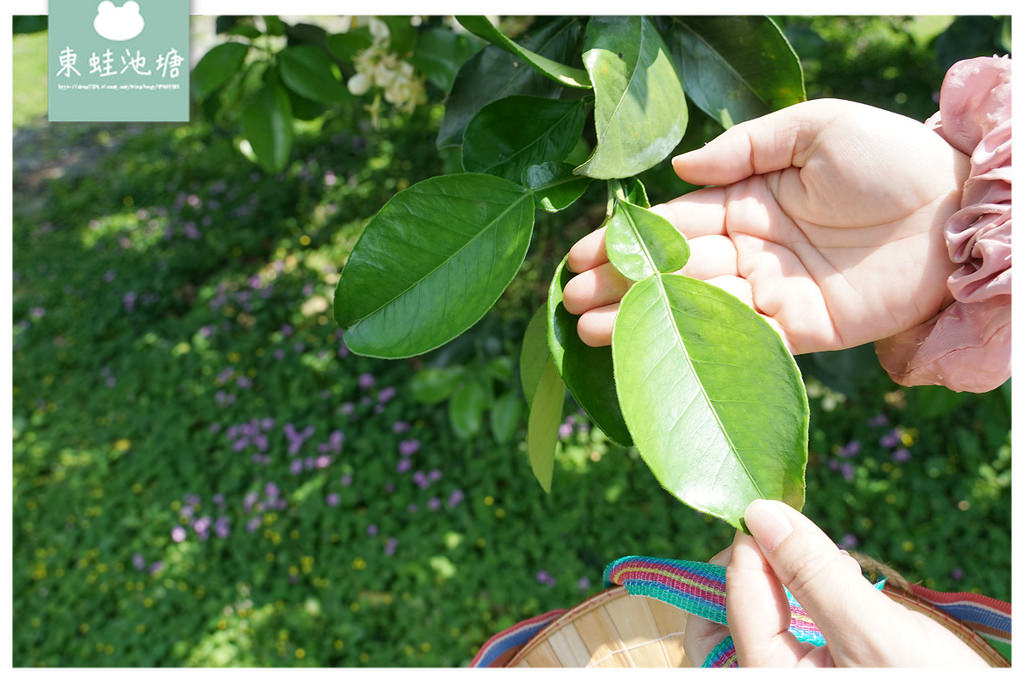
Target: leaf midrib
{"x":707,"y":399}
{"x":725,"y":61}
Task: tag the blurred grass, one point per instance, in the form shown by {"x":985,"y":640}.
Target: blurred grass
{"x":29,"y":55}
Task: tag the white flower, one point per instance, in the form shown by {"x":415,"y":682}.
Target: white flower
{"x":359,"y":84}
{"x":378,"y":29}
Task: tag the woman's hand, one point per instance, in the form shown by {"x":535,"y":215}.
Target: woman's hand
{"x":861,"y":625}
{"x":826,"y":218}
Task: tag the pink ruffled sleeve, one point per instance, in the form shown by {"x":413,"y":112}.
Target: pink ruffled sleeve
{"x":966,"y":347}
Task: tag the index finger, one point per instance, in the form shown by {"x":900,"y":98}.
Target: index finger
{"x":588,"y":253}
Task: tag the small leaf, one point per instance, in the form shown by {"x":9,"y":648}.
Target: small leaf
{"x":493,"y":73}
{"x":267,"y":125}
{"x":641,"y":243}
{"x":216,"y":67}
{"x":555,"y":187}
{"x":635,"y":192}
{"x":586,"y":370}
{"x":713,"y":399}
{"x":466,"y":409}
{"x":505,"y":415}
{"x":345,"y":46}
{"x":433,"y":385}
{"x":639,"y":108}
{"x":534,"y":353}
{"x":275,"y":27}
{"x":245,"y":30}
{"x":562,"y":74}
{"x":307,"y":70}
{"x":735,"y":67}
{"x":440,"y":53}
{"x":542,"y":430}
{"x":432,"y":262}
{"x":510,"y":134}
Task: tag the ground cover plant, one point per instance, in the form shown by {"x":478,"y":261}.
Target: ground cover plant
{"x":205,"y":475}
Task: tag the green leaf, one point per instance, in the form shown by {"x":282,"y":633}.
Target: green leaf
{"x":493,"y":73}
{"x":466,"y":409}
{"x":275,"y":27}
{"x":305,"y":109}
{"x":635,"y":192}
{"x":713,"y":399}
{"x":267,"y":125}
{"x":510,"y":134}
{"x":440,"y":53}
{"x":542,"y":429}
{"x":433,"y":385}
{"x":639,"y":108}
{"x":560,"y":73}
{"x":345,"y":46}
{"x":307,"y":70}
{"x":534,"y":354}
{"x":735,"y":67}
{"x":500,"y":368}
{"x":641,"y":243}
{"x":586,"y":370}
{"x":432,"y":262}
{"x":555,"y":186}
{"x":216,"y":67}
{"x":402,"y":35}
{"x":505,"y":415}
{"x":245,"y":30}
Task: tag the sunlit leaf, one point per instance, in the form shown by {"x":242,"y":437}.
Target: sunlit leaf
{"x":641,"y":243}
{"x":545,"y":418}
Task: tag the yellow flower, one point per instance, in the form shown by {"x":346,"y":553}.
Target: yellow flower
{"x":122,"y":445}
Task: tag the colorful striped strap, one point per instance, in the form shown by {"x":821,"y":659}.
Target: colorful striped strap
{"x":699,"y":588}
{"x":501,"y":647}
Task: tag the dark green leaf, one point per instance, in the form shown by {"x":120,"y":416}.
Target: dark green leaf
{"x":641,"y":243}
{"x":466,"y":409}
{"x":433,"y":385}
{"x":345,"y":46}
{"x":510,"y":134}
{"x":305,"y":109}
{"x":307,"y":70}
{"x":493,"y":73}
{"x":534,"y":354}
{"x":216,"y":67}
{"x":565,"y":75}
{"x":432,"y":262}
{"x":402,"y":34}
{"x":440,"y":53}
{"x":586,"y":370}
{"x":713,"y":399}
{"x":245,"y":30}
{"x":542,"y":429}
{"x":275,"y":27}
{"x":505,"y":416}
{"x":554,"y":185}
{"x":267,"y":125}
{"x":639,"y":109}
{"x":500,"y":368}
{"x":735,"y":67}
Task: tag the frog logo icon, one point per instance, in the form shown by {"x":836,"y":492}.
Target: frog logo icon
{"x":118,"y":23}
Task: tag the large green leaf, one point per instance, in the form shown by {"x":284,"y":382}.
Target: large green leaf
{"x":439,"y":54}
{"x":432,"y":262}
{"x":542,"y":429}
{"x":555,"y":186}
{"x":513,"y":133}
{"x":307,"y":70}
{"x":534,"y":354}
{"x":735,"y":67}
{"x":639,"y":108}
{"x":641,"y":243}
{"x":267,"y":125}
{"x":713,"y":399}
{"x":493,"y":73}
{"x":216,"y":67}
{"x":568,"y":76}
{"x":586,"y":370}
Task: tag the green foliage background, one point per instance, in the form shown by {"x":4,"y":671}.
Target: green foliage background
{"x":121,"y":410}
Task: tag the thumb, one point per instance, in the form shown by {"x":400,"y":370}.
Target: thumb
{"x":769,"y":143}
{"x":825,"y":581}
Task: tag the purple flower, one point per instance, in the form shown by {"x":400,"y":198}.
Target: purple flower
{"x":543,"y":577}
{"x":250,"y":500}
{"x":346,"y":480}
{"x":408,"y":447}
{"x":206,"y":331}
{"x":218,"y":499}
{"x":891,"y":439}
{"x":400,"y":427}
{"x":878,"y":420}
{"x":564,"y":431}
{"x":330,"y":178}
{"x":186,"y":512}
{"x":323,"y":461}
{"x":252,"y":525}
{"x":155,"y":567}
{"x":129,"y":301}
{"x":191,"y":499}
{"x":847,"y":471}
{"x":191,"y":231}
{"x":391,"y":546}
{"x":455,"y":498}
{"x":296,"y":466}
{"x":225,"y":375}
{"x":333,"y":500}
{"x":279,"y":354}
{"x":434,"y":474}
{"x":267,"y":423}
{"x":178,"y":534}
{"x":371,"y":530}
{"x":900,"y":455}
{"x":138,"y":561}
{"x":222,"y":527}
{"x":201,"y":525}
{"x":956,"y":573}
{"x":847,"y":541}
{"x":434,"y":504}
{"x":851,"y":448}
{"x":420,"y":479}
{"x":366,"y":380}
{"x":336,"y":439}
{"x":244,"y":382}
{"x":404,"y":465}
{"x":386,"y":394}
{"x":271,"y":491}
{"x":109,"y":275}
{"x":37,"y":312}
{"x":583,"y":583}
{"x":240,"y":445}
{"x":347,"y":408}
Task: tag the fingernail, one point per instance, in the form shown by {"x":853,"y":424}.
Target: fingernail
{"x":767,"y":524}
